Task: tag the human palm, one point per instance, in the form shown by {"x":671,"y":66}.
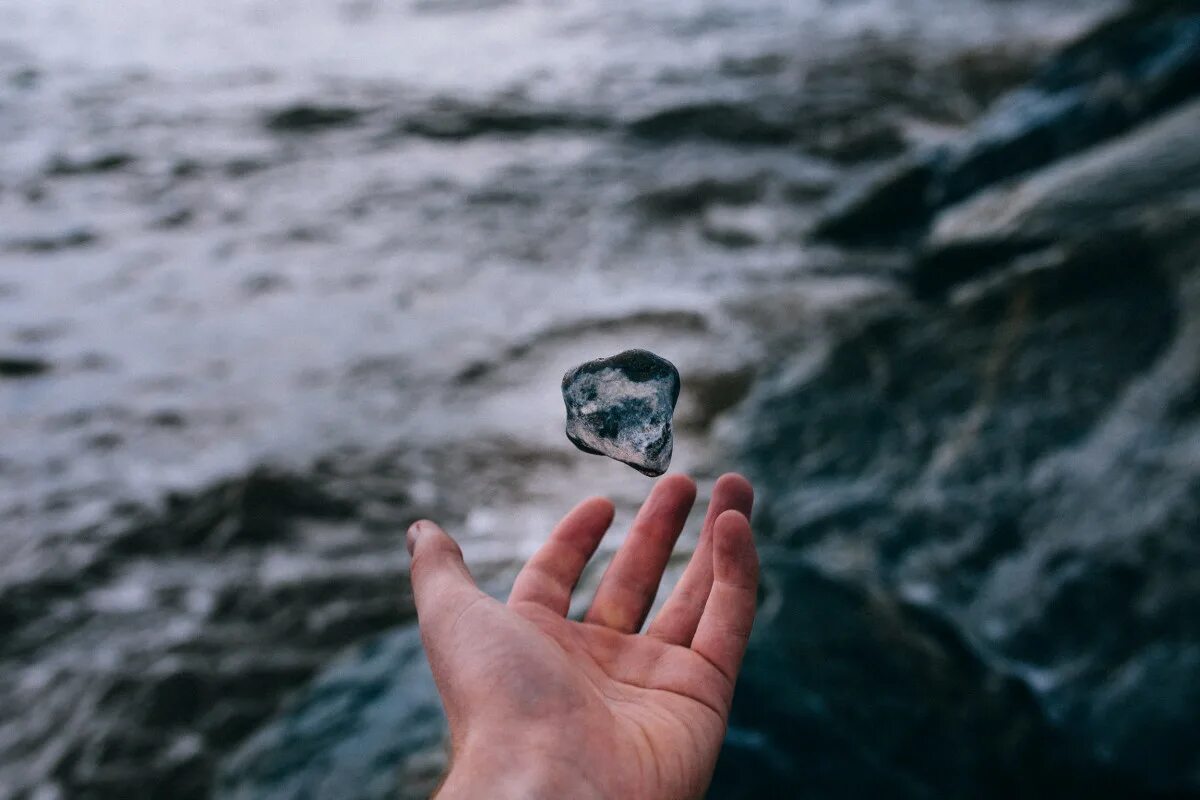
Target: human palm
{"x":542,"y":705}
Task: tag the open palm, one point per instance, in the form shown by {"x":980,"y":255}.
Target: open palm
{"x":541,"y":705}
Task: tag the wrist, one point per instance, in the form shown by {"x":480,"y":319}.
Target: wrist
{"x":492,"y":772}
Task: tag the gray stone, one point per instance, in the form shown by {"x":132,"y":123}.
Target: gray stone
{"x":621,"y":407}
{"x":1139,"y":64}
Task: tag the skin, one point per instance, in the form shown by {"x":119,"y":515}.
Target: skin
{"x":542,"y":706}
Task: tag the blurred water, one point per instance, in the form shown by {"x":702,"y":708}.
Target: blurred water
{"x":280,"y":292}
{"x":245,"y":233}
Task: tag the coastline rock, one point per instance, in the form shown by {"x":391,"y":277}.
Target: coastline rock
{"x":1022,"y":462}
{"x":309,"y":118}
{"x":13,"y":365}
{"x":369,"y":728}
{"x":1129,"y":69}
{"x":1082,"y":198}
{"x":849,"y":692}
{"x":246,"y":623}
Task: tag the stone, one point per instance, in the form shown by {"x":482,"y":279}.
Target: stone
{"x":621,"y":407}
{"x":1086,"y":197}
{"x":1128,"y":70}
{"x":1020,"y":461}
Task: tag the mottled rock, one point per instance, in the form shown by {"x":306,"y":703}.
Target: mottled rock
{"x":621,"y":407}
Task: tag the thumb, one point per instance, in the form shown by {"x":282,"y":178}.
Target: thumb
{"x":442,"y":587}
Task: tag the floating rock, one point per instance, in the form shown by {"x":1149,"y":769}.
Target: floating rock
{"x":621,"y":407}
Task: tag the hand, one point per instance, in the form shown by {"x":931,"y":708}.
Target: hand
{"x":541,"y":706}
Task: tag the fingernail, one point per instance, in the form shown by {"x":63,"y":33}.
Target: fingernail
{"x":410,"y":538}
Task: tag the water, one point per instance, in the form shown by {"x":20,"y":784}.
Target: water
{"x":374,"y":235}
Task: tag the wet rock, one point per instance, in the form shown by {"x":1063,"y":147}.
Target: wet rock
{"x":889,"y":201}
{"x":368,"y":728}
{"x":309,"y":118}
{"x":1130,"y":69}
{"x":722,"y":121}
{"x":53,"y":242}
{"x":852,"y":141}
{"x":621,"y":407}
{"x":458,"y":120}
{"x":848,"y":693}
{"x":174,"y":218}
{"x":64,"y":165}
{"x":19,"y":366}
{"x":260,"y":579}
{"x":1021,"y":461}
{"x":693,"y":194}
{"x":1077,"y":200}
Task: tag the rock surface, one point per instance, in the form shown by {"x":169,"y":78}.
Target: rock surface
{"x":1020,"y":459}
{"x":368,"y":725}
{"x":850,"y":692}
{"x":1140,"y":63}
{"x":1081,"y":198}
{"x":621,"y":407}
{"x":978,"y":509}
{"x":221,"y":286}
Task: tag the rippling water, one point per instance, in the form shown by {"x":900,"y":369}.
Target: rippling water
{"x":360,"y":238}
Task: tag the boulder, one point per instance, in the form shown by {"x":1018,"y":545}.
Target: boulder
{"x":1021,"y":462}
{"x":1131,"y":68}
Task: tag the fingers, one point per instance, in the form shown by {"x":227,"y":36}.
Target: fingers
{"x":628,"y":587}
{"x":442,"y":586}
{"x":724,"y":628}
{"x":676,"y":622}
{"x":551,"y":575}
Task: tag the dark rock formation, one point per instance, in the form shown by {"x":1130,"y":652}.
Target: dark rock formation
{"x":369,"y":724}
{"x":621,"y":407}
{"x":737,"y":122}
{"x":1082,"y":198}
{"x":1140,"y":63}
{"x":850,"y":693}
{"x":20,"y":366}
{"x":195,"y":619}
{"x":1021,"y":460}
{"x":54,"y":241}
{"x":89,"y":164}
{"x":457,"y":120}
{"x":310,"y":117}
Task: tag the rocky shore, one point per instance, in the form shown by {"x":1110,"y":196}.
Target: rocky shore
{"x":937,"y":293}
{"x":981,"y":571}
